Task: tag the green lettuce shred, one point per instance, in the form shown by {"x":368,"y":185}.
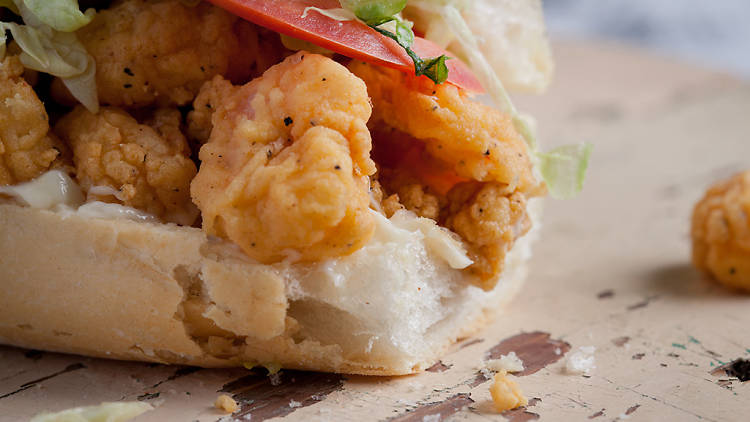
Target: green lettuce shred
{"x":564,"y":169}
{"x":341,"y":15}
{"x":61,"y":15}
{"x":48,"y":44}
{"x":105,"y":412}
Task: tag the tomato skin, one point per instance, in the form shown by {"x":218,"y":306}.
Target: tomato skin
{"x":349,"y":38}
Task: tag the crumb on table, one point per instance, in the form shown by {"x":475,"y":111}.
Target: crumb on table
{"x":226,"y":404}
{"x":506,"y":394}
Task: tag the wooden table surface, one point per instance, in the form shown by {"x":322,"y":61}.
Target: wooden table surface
{"x":611,"y":270}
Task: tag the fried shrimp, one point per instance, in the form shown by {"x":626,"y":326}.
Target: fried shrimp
{"x":210,"y":95}
{"x":160,"y":52}
{"x":284,"y":173}
{"x":489,"y":218}
{"x":477,"y":141}
{"x":721,"y":232}
{"x":119,"y":160}
{"x":450,"y":159}
{"x":27,"y":147}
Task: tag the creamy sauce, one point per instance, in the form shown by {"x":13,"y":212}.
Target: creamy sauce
{"x":48,"y":191}
{"x":56,"y":191}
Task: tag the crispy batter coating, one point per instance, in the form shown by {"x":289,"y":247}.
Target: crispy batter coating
{"x":479,"y":142}
{"x":411,"y":194}
{"x":210,"y":95}
{"x":721,"y":232}
{"x":284,"y":173}
{"x":431,"y":145}
{"x":27,"y":147}
{"x":148,"y":168}
{"x":489,"y":217}
{"x":159,"y":52}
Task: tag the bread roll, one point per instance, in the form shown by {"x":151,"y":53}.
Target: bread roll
{"x":102,"y":285}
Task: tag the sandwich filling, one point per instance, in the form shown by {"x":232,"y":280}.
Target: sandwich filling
{"x":207,"y":120}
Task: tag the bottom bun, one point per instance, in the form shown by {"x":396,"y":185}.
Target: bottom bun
{"x":123,"y":289}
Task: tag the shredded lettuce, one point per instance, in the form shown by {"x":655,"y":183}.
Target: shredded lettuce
{"x":61,"y":15}
{"x":340,"y":15}
{"x":58,"y":52}
{"x":564,"y":168}
{"x":374,"y":11}
{"x":105,"y":412}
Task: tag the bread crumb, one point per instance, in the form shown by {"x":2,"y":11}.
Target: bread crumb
{"x":294,"y":403}
{"x":226,"y":404}
{"x":505,"y":393}
{"x":582,"y":361}
{"x":510,"y":362}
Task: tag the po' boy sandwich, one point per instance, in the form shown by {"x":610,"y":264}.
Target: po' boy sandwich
{"x":311,"y":184}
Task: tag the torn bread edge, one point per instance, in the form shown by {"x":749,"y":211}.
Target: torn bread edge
{"x":121,"y":289}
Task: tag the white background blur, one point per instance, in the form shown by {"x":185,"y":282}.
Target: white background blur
{"x":711,"y":33}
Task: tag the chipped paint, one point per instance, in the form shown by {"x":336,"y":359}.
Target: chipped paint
{"x":439,"y":367}
{"x":263,"y":398}
{"x":436,"y":411}
{"x":522,"y":414}
{"x":536,"y":350}
{"x":620,"y":341}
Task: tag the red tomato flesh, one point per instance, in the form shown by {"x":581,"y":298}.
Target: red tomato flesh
{"x":349,"y":38}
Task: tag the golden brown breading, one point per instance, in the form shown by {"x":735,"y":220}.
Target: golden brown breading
{"x":489,"y":217}
{"x":150,"y":171}
{"x":211,"y":94}
{"x":284,"y":173}
{"x":27,"y":148}
{"x":411,"y":194}
{"x":479,"y":142}
{"x":460,"y":163}
{"x":161,"y":51}
{"x":721,"y":232}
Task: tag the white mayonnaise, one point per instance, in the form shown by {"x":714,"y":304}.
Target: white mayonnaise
{"x":56,"y":191}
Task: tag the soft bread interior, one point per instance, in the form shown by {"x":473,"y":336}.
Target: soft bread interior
{"x":116,"y":288}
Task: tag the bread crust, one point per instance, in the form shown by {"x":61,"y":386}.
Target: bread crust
{"x":121,"y":289}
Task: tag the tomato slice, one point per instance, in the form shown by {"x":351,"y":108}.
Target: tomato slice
{"x":349,"y":38}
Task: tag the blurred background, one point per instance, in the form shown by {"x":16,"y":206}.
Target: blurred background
{"x":713,"y":34}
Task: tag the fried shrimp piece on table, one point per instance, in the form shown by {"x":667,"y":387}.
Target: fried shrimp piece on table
{"x":119,"y":160}
{"x":27,"y":147}
{"x":160,"y":52}
{"x":284,"y":173}
{"x":448,"y":158}
{"x":721,"y":232}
